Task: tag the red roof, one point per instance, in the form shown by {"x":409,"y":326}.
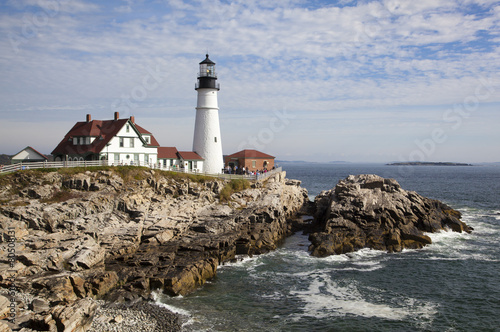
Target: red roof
{"x":189,"y":155}
{"x":248,"y":153}
{"x":143,"y":131}
{"x":103,"y":130}
{"x":167,"y":153}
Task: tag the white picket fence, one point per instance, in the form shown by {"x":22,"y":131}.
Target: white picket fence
{"x":60,"y":164}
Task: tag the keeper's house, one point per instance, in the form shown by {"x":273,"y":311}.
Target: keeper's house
{"x":120,"y":141}
{"x":251,"y":159}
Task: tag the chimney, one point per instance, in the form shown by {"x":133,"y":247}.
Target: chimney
{"x":132,"y":119}
{"x":89,"y":118}
{"x":117,"y":116}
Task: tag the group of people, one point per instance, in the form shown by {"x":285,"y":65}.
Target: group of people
{"x":244,"y":170}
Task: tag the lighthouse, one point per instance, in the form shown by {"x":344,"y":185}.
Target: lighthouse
{"x":207,"y":140}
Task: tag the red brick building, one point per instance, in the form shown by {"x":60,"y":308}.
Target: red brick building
{"x":253,"y":159}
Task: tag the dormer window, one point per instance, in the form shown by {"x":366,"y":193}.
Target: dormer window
{"x":146,"y":138}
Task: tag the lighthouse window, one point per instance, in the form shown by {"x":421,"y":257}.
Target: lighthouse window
{"x":215,"y":139}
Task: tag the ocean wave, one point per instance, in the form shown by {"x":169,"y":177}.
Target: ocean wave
{"x":478,"y":245}
{"x":158,"y":298}
{"x":326,"y":298}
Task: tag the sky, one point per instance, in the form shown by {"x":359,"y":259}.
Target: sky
{"x":358,"y":81}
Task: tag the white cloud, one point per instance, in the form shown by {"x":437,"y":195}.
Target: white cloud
{"x":369,"y":55}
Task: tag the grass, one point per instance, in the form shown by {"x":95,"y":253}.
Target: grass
{"x":232,"y":187}
{"x":61,"y":196}
{"x":191,"y":177}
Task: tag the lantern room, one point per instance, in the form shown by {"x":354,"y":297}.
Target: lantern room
{"x":207,"y":77}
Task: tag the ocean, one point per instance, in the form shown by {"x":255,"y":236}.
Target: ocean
{"x":451,"y":285}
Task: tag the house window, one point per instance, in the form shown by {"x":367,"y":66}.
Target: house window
{"x":82,"y":140}
{"x":136,"y":158}
{"x":195,"y":164}
{"x":117,"y":158}
{"x":146,"y":158}
{"x":131,"y":142}
{"x":128,"y":128}
{"x":254,"y":162}
{"x":121,"y":142}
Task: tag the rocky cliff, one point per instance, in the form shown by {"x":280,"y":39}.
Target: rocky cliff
{"x":116,"y":233}
{"x":367,"y":211}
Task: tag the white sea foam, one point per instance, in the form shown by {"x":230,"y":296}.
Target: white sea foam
{"x":158,"y":299}
{"x":449,"y":245}
{"x":241,"y":261}
{"x":363,"y":269}
{"x":188,"y":318}
{"x":326,"y":298}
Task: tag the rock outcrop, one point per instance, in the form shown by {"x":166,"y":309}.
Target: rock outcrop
{"x":368,"y":211}
{"x":120,"y":233}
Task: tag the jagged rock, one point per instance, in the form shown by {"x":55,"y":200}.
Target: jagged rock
{"x":76,"y":317}
{"x":38,"y":192}
{"x":56,"y":288}
{"x":40,"y":305}
{"x":43,"y":322}
{"x":4,"y":327}
{"x":107,"y":236}
{"x":370,"y":211}
{"x":78,"y":182}
{"x":191,"y":277}
{"x":97,"y":284}
{"x":87,"y":257}
{"x":4,"y":307}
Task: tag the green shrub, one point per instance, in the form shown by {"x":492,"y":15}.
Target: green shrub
{"x":232,"y":187}
{"x":61,"y":196}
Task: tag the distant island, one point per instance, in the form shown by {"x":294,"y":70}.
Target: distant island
{"x":428,"y":163}
{"x":311,"y":162}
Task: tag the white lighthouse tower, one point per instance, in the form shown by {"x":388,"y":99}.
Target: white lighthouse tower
{"x":207,"y":140}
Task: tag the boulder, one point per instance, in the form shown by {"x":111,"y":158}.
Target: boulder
{"x":368,"y":211}
{"x":87,"y":258}
{"x":40,"y":305}
{"x":76,"y":317}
